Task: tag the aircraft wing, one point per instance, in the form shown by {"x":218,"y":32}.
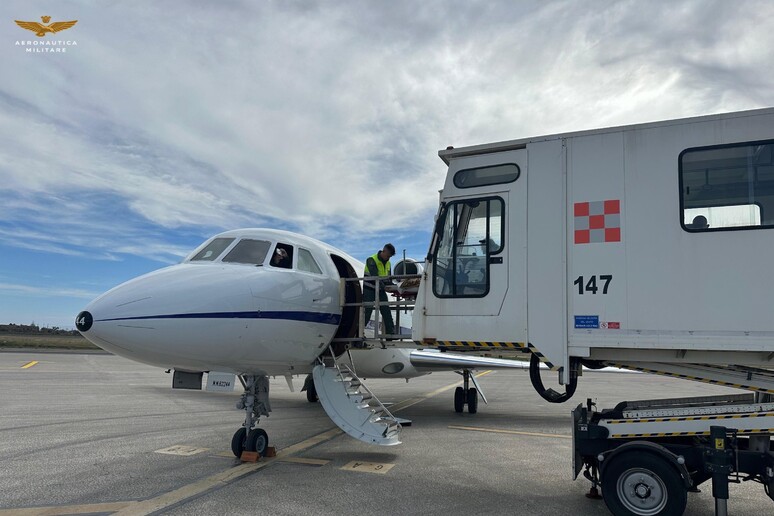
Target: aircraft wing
{"x":440,"y":360}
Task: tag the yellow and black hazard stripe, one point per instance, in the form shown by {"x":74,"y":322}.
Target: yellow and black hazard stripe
{"x":541,"y":356}
{"x":690,"y":418}
{"x":694,"y":378}
{"x":470,"y":344}
{"x":475,"y":344}
{"x":689,"y":434}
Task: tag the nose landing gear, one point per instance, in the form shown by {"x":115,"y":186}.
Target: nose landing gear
{"x":255,"y":403}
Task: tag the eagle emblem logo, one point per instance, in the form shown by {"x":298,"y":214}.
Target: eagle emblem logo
{"x":40,"y":29}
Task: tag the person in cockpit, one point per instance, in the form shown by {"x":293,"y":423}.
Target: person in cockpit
{"x":280,"y":258}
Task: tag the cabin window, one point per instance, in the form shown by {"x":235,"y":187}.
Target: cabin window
{"x":212,"y":250}
{"x":484,"y":176}
{"x":470,"y":232}
{"x":307,"y":263}
{"x":727,"y":187}
{"x":248,"y":251}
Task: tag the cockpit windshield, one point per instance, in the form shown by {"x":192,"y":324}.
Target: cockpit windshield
{"x":248,"y":251}
{"x":213,"y":250}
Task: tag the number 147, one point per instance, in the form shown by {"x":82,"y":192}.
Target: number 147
{"x":591,"y":285}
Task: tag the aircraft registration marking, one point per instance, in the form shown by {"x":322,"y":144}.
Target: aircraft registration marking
{"x":368,"y":467}
{"x":29,"y":364}
{"x":181,"y":449}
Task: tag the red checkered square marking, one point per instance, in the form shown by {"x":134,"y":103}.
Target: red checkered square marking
{"x":597,"y":221}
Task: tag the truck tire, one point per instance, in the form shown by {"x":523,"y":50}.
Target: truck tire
{"x":643,"y":484}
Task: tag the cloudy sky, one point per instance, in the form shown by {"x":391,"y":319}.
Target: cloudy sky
{"x":173,"y":120}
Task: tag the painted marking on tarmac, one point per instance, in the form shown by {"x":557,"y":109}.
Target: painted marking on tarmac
{"x":29,"y":364}
{"x":514,"y":432}
{"x":304,"y":460}
{"x":181,"y":449}
{"x":368,"y":467}
{"x":220,"y":479}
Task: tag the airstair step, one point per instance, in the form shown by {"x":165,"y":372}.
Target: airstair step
{"x":366,"y":419}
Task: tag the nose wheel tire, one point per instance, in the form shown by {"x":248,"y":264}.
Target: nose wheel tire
{"x":238,"y":442}
{"x":459,"y":399}
{"x":472,"y":400}
{"x":258,"y":441}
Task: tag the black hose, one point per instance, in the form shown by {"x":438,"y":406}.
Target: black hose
{"x":551,"y":395}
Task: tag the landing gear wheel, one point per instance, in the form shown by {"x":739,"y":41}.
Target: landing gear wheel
{"x":238,"y":442}
{"x":257,"y":441}
{"x":459,"y":399}
{"x":472,"y":401}
{"x":311,"y":394}
{"x":643,"y":484}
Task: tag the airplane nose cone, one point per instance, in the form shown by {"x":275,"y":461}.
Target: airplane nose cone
{"x":84,"y":321}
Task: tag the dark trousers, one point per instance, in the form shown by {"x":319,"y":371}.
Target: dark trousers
{"x":368,"y":299}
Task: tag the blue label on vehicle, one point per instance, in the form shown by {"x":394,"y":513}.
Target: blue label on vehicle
{"x":587,"y":321}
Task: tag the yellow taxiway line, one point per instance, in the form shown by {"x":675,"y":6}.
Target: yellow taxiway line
{"x":514,"y":432}
{"x":29,"y":364}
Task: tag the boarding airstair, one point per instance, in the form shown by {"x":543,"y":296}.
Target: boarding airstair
{"x":352,"y":406}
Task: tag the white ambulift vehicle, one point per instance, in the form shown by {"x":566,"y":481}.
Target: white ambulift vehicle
{"x":645,"y":247}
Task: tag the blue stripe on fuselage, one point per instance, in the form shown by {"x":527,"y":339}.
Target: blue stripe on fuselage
{"x":316,"y":317}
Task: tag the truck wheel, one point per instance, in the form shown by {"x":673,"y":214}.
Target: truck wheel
{"x":643,"y":484}
{"x":459,"y":399}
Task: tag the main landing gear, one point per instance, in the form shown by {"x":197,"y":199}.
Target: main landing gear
{"x":467,"y":395}
{"x":311,"y":390}
{"x":255,"y":403}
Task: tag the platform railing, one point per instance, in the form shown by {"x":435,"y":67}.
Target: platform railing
{"x":392,"y":286}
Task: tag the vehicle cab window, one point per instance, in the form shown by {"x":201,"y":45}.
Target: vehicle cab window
{"x":470,"y":231}
{"x":727,"y":187}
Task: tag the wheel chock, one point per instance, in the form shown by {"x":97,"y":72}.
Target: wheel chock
{"x":250,"y":456}
{"x":270,"y":452}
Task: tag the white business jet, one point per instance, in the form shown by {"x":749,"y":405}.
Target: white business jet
{"x":257,"y":303}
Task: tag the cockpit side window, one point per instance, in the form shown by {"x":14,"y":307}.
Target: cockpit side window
{"x":307,"y":263}
{"x":282,"y":256}
{"x":212,"y":250}
{"x":248,"y":251}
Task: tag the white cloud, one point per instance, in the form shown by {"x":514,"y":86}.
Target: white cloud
{"x":327,"y":117}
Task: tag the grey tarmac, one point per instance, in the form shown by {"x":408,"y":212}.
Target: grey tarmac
{"x":81,"y":434}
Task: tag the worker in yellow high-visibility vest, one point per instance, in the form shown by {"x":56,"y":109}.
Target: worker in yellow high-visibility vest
{"x":378,"y":265}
